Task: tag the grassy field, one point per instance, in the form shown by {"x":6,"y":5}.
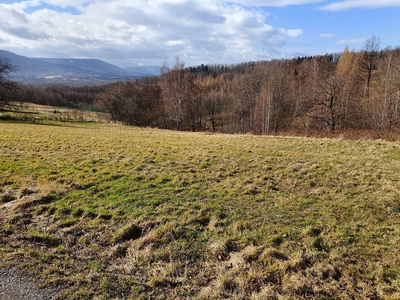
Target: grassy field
{"x":110,"y":212}
{"x":36,"y":113}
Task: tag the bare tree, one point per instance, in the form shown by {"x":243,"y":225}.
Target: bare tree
{"x":326,"y":93}
{"x":213,"y":107}
{"x":368,"y":64}
{"x":7,"y":87}
{"x":113,"y":100}
{"x":195,"y":108}
{"x":270,"y":102}
{"x":241,"y":107}
{"x":176,"y":86}
{"x":346,"y":71}
{"x":330,"y":102}
{"x":385,"y":102}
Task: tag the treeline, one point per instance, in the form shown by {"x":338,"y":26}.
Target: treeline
{"x":64,"y":96}
{"x":61,"y":96}
{"x":353,"y":90}
{"x":357,"y":90}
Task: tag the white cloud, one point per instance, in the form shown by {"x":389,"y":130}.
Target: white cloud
{"x":348,"y":4}
{"x":326,"y":35}
{"x":277,"y":3}
{"x":145,"y":31}
{"x":294,"y":33}
{"x":174,"y":42}
{"x":356,"y":41}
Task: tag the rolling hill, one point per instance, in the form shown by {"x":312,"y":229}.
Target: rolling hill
{"x":70,"y":70}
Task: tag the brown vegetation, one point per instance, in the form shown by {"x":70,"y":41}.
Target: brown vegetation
{"x":353,"y":91}
{"x":114,"y":212}
{"x":335,"y":94}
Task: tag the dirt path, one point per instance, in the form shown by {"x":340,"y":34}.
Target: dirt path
{"x":14,"y":285}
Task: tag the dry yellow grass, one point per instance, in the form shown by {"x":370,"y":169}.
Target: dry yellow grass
{"x":119,"y":212}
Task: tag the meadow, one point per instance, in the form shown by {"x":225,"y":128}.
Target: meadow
{"x":112,"y":212}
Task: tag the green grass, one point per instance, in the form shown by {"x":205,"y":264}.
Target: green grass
{"x":43,"y":114}
{"x":121,"y":212}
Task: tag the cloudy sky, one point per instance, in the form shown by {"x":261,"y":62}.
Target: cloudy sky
{"x":151,"y":32}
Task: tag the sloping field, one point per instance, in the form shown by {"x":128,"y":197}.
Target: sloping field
{"x":118,"y":212}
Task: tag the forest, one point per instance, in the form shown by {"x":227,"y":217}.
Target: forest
{"x":350,"y":91}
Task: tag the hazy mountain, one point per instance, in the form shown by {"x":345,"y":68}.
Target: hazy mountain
{"x":147,"y":71}
{"x":71,"y":70}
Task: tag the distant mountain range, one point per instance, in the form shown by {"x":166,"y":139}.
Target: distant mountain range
{"x":71,"y":70}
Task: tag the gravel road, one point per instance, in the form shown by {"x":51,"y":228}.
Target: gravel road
{"x":14,"y":285}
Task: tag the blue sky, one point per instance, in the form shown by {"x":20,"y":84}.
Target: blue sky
{"x":151,"y":32}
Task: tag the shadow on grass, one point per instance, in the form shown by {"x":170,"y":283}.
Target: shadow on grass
{"x":66,"y":123}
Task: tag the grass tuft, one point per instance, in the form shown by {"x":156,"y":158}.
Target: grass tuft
{"x":128,"y":232}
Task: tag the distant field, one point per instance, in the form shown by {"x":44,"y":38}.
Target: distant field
{"x":106,"y":211}
{"x":36,"y":113}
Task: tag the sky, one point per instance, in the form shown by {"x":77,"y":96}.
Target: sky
{"x":152,"y":32}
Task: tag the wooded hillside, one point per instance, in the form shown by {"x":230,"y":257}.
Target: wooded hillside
{"x":350,"y":91}
{"x":335,"y":92}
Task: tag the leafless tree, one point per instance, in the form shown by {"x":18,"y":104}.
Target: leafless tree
{"x":176,"y":86}
{"x":7,"y":86}
{"x":385,"y":102}
{"x":368,"y":64}
{"x":270,"y":101}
